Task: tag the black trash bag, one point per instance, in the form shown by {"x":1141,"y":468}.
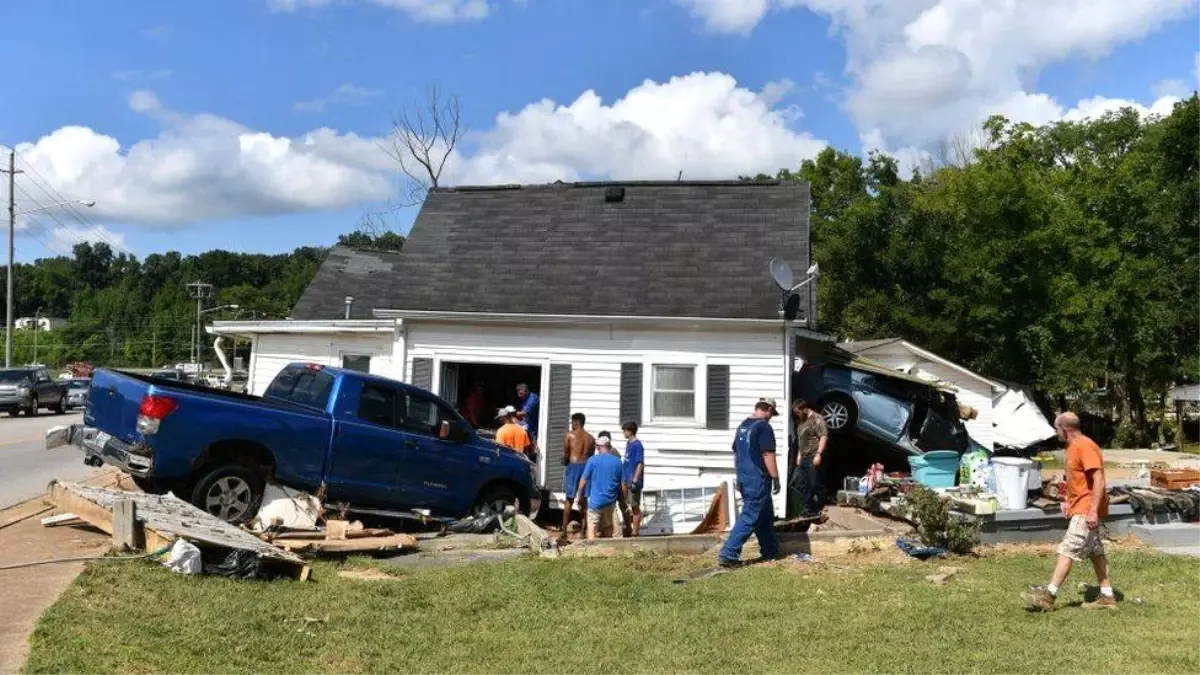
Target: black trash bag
{"x":485,"y":524}
{"x":238,"y":564}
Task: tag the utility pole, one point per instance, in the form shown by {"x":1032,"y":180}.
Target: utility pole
{"x":12,"y":231}
{"x":37,"y":328}
{"x":200,"y":292}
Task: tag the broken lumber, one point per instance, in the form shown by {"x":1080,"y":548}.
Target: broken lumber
{"x":164,"y":518}
{"x":318,"y":545}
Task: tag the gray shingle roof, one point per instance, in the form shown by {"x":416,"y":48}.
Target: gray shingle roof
{"x":860,"y":346}
{"x":678,"y":249}
{"x":366,"y":275}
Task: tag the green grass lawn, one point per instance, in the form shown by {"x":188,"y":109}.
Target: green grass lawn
{"x":624,"y":615}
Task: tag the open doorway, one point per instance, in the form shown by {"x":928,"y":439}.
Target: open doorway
{"x":497,"y":387}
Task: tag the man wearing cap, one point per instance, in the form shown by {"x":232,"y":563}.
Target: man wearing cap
{"x":527,"y":416}
{"x":811,"y":437}
{"x":601,"y":484}
{"x":758,"y":479}
{"x":512,"y":434}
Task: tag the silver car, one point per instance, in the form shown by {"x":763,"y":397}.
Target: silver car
{"x":77,"y":392}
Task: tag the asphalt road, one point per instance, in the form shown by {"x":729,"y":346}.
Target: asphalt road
{"x":26,"y":466}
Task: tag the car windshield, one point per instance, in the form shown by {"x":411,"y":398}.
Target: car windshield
{"x":11,"y":376}
{"x":79,"y":384}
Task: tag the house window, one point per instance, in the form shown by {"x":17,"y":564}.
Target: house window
{"x":674,"y":392}
{"x":357,"y":362}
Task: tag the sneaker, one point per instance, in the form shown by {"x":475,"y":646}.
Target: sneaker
{"x":1040,"y":600}
{"x":1102,"y":602}
{"x":729,"y":564}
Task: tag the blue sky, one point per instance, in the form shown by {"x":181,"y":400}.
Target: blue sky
{"x":255,"y":125}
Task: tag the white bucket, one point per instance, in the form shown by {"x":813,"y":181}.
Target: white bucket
{"x":1012,"y":480}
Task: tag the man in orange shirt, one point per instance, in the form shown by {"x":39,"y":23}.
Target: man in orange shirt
{"x":512,"y":434}
{"x":1086,"y":506}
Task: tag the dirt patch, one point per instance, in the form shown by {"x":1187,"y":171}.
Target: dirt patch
{"x":368,"y":575}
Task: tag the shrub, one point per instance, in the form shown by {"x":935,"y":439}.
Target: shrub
{"x":936,"y":526}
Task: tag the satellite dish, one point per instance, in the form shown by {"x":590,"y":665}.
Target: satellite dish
{"x":781,"y":273}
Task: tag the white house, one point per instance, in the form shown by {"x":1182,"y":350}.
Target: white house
{"x":43,"y":323}
{"x":1006,"y":413}
{"x":647,"y":302}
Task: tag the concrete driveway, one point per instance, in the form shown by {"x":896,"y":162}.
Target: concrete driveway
{"x":25,"y":466}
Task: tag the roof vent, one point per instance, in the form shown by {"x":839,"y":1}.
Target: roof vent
{"x":614,"y":194}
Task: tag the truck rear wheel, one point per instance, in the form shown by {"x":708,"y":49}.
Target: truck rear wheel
{"x":231,"y":492}
{"x":495,"y":498}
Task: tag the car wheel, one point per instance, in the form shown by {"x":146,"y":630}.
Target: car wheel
{"x":32,"y":410}
{"x":230,"y":492}
{"x":60,"y":407}
{"x":494,"y":499}
{"x":839,"y":412}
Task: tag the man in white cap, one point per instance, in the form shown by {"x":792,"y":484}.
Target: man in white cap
{"x":758,"y":479}
{"x":512,"y":434}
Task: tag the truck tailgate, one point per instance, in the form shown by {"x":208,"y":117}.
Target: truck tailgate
{"x":113,"y":404}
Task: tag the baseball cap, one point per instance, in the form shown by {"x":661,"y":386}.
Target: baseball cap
{"x":602,"y":440}
{"x":769,"y":401}
{"x":505,"y":411}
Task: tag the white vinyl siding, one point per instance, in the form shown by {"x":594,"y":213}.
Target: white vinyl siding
{"x":675,"y":449}
{"x":274,"y":351}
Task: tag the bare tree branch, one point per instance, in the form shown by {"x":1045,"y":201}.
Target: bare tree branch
{"x":424,"y":137}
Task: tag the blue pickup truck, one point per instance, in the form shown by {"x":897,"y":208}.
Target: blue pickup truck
{"x":373,"y":443}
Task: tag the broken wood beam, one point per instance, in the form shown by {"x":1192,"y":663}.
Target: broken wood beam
{"x":128,"y":534}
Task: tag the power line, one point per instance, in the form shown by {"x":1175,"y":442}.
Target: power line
{"x":47,"y":188}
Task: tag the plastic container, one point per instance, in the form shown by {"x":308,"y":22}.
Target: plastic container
{"x":1012,"y":481}
{"x":936,"y":469}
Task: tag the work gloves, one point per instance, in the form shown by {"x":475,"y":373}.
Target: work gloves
{"x":775,"y":487}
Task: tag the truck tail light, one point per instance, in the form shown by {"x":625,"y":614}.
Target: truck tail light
{"x":152,"y":412}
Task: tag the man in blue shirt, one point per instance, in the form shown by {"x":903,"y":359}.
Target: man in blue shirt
{"x":527,"y":416}
{"x":632,"y":477}
{"x":601,"y":482}
{"x":758,"y":479}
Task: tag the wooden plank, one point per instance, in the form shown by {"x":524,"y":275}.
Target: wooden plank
{"x":60,"y":519}
{"x":127,"y":531}
{"x":395,"y":542}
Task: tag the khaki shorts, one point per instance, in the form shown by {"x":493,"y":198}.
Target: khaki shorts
{"x":1081,"y":542}
{"x":601,"y":519}
{"x":633,"y":497}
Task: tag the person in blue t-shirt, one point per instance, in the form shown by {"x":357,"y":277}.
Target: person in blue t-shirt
{"x":601,"y":482}
{"x":632,"y":477}
{"x":758,"y":479}
{"x":527,"y":415}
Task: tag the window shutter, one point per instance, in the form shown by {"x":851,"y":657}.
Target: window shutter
{"x":718,"y":397}
{"x":631,"y":393}
{"x":422,"y":375}
{"x":558,"y":421}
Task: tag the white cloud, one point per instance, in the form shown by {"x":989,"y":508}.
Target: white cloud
{"x":1176,"y":88}
{"x":435,"y":11}
{"x":65,"y":237}
{"x":203,"y":167}
{"x":346,"y":94}
{"x":703,"y":124}
{"x":924,"y":69}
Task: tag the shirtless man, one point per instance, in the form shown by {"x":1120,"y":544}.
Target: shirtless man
{"x":578,"y":447}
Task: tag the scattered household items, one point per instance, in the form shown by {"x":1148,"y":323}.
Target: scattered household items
{"x":226,"y":444}
{"x":918,"y":551}
{"x":974,"y":469}
{"x":1012,"y":481}
{"x":936,"y":469}
{"x":1174,"y":479}
{"x":144,"y":521}
{"x":686,"y":506}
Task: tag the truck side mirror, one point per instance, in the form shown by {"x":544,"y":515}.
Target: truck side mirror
{"x":455,"y":432}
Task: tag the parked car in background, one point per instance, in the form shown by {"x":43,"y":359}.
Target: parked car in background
{"x":371,"y":442}
{"x":29,"y":389}
{"x":77,"y":391}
